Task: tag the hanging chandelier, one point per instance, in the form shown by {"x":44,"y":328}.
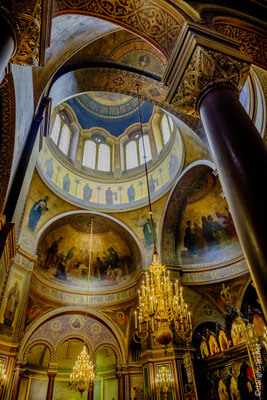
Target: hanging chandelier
{"x":2,"y":375}
{"x":160,"y":302}
{"x":164,"y":381}
{"x":83,"y":374}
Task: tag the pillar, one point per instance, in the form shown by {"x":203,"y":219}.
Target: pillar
{"x":120,"y":385}
{"x":52,"y":372}
{"x":18,"y":371}
{"x":7,"y":45}
{"x":90,"y":395}
{"x":75,"y":140}
{"x":205,"y":81}
{"x":234,"y":140}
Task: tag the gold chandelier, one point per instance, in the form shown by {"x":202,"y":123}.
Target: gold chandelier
{"x":160,"y":304}
{"x":2,"y":375}
{"x":164,"y":382}
{"x":83,"y":374}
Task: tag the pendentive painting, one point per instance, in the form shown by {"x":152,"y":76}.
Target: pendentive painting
{"x":207,"y":233}
{"x":64,"y":252}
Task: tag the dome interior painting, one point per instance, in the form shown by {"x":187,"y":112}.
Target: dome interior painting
{"x":64,"y":253}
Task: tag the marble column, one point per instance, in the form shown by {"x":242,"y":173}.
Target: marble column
{"x":205,"y":81}
{"x":7,"y":45}
{"x":52,"y":373}
{"x":120,"y":385}
{"x":90,"y":395}
{"x":18,"y":371}
{"x":75,"y":140}
{"x":240,"y":155}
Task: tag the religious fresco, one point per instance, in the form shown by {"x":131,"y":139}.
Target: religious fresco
{"x":109,"y":194}
{"x":11,"y":305}
{"x":207,"y":232}
{"x":63,"y":253}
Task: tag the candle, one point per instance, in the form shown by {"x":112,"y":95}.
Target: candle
{"x":135,"y":320}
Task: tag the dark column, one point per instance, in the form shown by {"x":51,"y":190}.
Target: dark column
{"x":241,"y":159}
{"x":51,"y":381}
{"x":17,"y":375}
{"x":24,"y":162}
{"x":7,"y":45}
{"x":120,"y":386}
{"x":90,"y":395}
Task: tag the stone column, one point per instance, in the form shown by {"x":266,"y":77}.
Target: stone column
{"x":52,"y":372}
{"x":75,"y":140}
{"x":7,"y":45}
{"x":208,"y":85}
{"x":120,"y":384}
{"x":90,"y":395}
{"x":18,"y":371}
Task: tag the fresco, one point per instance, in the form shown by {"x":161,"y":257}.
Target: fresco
{"x":207,"y":231}
{"x":88,"y":191}
{"x":63,"y":253}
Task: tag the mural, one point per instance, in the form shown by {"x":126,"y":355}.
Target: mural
{"x":63,"y":252}
{"x":37,"y":210}
{"x":207,"y":226}
{"x":107,"y":195}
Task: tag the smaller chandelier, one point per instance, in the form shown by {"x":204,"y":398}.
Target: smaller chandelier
{"x":160,"y":303}
{"x":2,"y":375}
{"x":83,"y":373}
{"x":164,"y":382}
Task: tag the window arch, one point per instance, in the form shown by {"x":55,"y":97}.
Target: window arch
{"x":131,"y":155}
{"x":89,"y":154}
{"x":147,"y":149}
{"x":56,"y":129}
{"x":103,"y":157}
{"x":64,"y":141}
{"x":166,"y":131}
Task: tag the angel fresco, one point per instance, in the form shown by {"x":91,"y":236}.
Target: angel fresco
{"x":37,"y":210}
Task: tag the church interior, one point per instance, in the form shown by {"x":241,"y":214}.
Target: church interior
{"x":133,"y":250}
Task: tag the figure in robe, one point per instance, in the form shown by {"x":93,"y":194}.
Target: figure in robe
{"x":49,"y":167}
{"x":190,"y":239}
{"x":109,"y":196}
{"x":131,"y":193}
{"x":207,"y":232}
{"x":52,"y":251}
{"x":11,"y":305}
{"x":147,"y":230}
{"x":37,"y":210}
{"x":87,"y":192}
{"x":66,"y":183}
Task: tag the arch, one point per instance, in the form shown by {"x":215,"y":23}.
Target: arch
{"x":36,"y":343}
{"x":112,"y":347}
{"x":68,"y":310}
{"x":135,"y":19}
{"x":54,"y":219}
{"x":174,"y":207}
{"x":73,"y":336}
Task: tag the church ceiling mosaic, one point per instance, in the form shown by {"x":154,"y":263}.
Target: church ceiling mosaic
{"x":64,"y":251}
{"x":111,"y":111}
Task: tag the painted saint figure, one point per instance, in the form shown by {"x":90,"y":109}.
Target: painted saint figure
{"x":109,"y":196}
{"x":52,"y":251}
{"x":87,"y":192}
{"x":131,"y":193}
{"x":66,"y":183}
{"x":147,"y":230}
{"x":37,"y":210}
{"x":11,"y":305}
{"x":49,"y":167}
{"x":190,"y":239}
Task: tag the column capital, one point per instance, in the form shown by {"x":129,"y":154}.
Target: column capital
{"x":52,"y":369}
{"x":30,"y":22}
{"x":203,"y":59}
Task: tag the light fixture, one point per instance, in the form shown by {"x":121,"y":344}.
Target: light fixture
{"x":83,"y":374}
{"x":161,"y":302}
{"x":2,"y":375}
{"x":164,"y":381}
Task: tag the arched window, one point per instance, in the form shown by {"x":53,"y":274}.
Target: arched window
{"x":56,"y":129}
{"x":131,"y":155}
{"x":89,"y":154}
{"x":64,"y":141}
{"x":147,"y":149}
{"x":166,"y":132}
{"x":103,"y":158}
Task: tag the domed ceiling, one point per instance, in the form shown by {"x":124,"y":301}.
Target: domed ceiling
{"x":64,"y":250}
{"x":113,"y":112}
